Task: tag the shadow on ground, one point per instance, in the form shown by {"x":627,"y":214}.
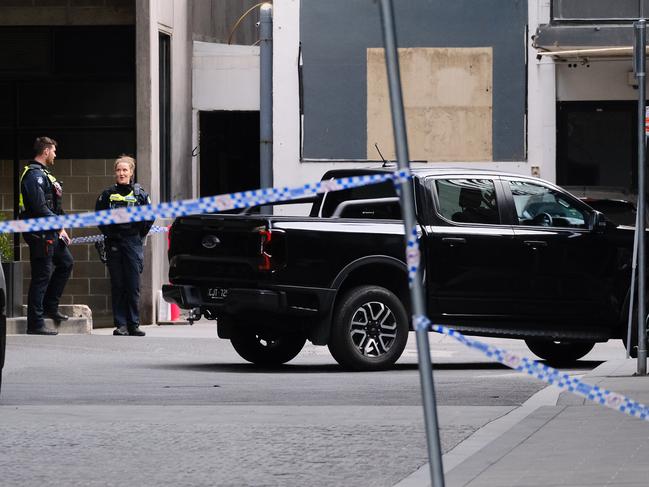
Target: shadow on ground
{"x":334,"y":368}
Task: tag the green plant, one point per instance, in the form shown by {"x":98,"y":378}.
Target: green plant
{"x":6,"y":244}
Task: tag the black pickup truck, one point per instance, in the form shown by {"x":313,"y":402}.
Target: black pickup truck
{"x":503,"y":255}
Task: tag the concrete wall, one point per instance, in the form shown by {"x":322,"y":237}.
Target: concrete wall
{"x":214,"y":20}
{"x":225,"y":77}
{"x":172,"y":17}
{"x":595,"y":80}
{"x":67,"y":12}
{"x":541,"y":101}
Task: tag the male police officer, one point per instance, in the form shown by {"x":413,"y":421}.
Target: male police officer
{"x":40,"y":196}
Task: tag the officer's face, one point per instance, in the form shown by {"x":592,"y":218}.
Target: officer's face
{"x":123,"y":173}
{"x":49,"y":154}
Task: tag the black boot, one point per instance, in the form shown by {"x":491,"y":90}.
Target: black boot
{"x":55,"y":315}
{"x":135,"y":331}
{"x":42,"y":331}
{"x":120,"y":331}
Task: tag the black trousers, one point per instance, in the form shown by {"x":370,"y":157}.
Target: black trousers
{"x":125,"y":264}
{"x":51,"y":266}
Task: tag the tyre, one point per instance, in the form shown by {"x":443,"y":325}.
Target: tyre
{"x":369,"y":329}
{"x":266,"y":347}
{"x":559,"y":352}
{"x":3,"y":343}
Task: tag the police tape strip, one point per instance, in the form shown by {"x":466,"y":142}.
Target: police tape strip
{"x":207,"y":204}
{"x":543,"y":372}
{"x":100,"y":238}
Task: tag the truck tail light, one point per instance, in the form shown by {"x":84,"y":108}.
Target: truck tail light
{"x":266,"y":250}
{"x":272,"y":249}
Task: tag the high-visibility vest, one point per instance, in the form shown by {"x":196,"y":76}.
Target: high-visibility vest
{"x":26,"y":169}
{"x":119,"y":201}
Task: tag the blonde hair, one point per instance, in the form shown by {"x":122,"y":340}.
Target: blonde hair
{"x":127,"y":159}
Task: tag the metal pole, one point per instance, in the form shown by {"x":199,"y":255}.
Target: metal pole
{"x":408,"y":209}
{"x":640,"y":46}
{"x":266,"y":98}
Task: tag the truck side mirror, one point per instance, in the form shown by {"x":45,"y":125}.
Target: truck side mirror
{"x":597,"y":222}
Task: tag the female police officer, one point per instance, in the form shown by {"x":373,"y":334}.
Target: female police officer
{"x":124,"y":247}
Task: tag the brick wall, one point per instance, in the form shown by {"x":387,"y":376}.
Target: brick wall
{"x":82,"y":182}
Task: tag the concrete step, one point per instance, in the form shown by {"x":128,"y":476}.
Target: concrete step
{"x":73,"y":326}
{"x":79,"y":323}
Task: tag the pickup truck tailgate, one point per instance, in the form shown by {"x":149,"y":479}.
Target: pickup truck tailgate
{"x":229,"y":246}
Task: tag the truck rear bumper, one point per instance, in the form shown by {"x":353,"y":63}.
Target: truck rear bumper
{"x":285,"y":300}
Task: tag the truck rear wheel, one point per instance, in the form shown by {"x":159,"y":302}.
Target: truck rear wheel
{"x":370,"y":329}
{"x":559,"y":352}
{"x":266,"y":347}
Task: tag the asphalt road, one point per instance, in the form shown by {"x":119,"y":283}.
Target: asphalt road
{"x":179,"y":407}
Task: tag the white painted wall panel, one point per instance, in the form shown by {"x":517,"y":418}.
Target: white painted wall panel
{"x":225,"y":77}
{"x":596,"y":80}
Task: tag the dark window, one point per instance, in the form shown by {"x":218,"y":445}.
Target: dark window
{"x":165,"y":115}
{"x":571,"y":10}
{"x":331,"y":201}
{"x":467,"y":200}
{"x":75,"y":84}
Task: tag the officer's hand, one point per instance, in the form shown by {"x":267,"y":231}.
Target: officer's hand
{"x":63,"y":235}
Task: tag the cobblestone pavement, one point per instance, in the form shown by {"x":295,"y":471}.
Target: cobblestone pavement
{"x":219,"y":445}
{"x":99,"y":410}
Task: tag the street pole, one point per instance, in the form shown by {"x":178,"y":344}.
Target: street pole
{"x":266,"y":99}
{"x":640,"y":63}
{"x":408,"y":209}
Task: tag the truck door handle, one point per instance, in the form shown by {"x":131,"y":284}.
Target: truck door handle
{"x":535,"y":244}
{"x":454,"y":240}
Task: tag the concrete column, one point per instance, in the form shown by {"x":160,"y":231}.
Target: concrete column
{"x":146,"y":83}
{"x":542,"y":100}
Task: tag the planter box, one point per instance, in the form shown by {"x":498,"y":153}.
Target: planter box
{"x":13,"y":272}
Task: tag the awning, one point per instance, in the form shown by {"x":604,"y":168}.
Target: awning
{"x":584,"y":40}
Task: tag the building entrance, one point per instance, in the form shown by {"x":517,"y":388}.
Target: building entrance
{"x":597,"y":144}
{"x":229,"y":151}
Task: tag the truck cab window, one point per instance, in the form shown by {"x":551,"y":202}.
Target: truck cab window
{"x":467,"y":200}
{"x":538,"y":205}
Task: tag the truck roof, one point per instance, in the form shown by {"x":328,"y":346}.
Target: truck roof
{"x":420,"y":172}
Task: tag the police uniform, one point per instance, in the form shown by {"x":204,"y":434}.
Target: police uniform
{"x":125,"y":255}
{"x":51,"y":261}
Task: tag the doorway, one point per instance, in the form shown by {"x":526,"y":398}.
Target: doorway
{"x":597,"y":144}
{"x":229,"y":151}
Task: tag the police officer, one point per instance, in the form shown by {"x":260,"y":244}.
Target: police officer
{"x":124,"y":247}
{"x":51,"y":261}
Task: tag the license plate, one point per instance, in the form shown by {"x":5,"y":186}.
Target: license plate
{"x":216,"y":293}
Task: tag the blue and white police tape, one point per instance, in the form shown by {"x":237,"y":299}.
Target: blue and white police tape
{"x":413,"y":255}
{"x":100,"y":238}
{"x":543,"y":372}
{"x":209,"y":204}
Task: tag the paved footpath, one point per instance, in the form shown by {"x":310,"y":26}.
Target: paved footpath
{"x":574,"y":443}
